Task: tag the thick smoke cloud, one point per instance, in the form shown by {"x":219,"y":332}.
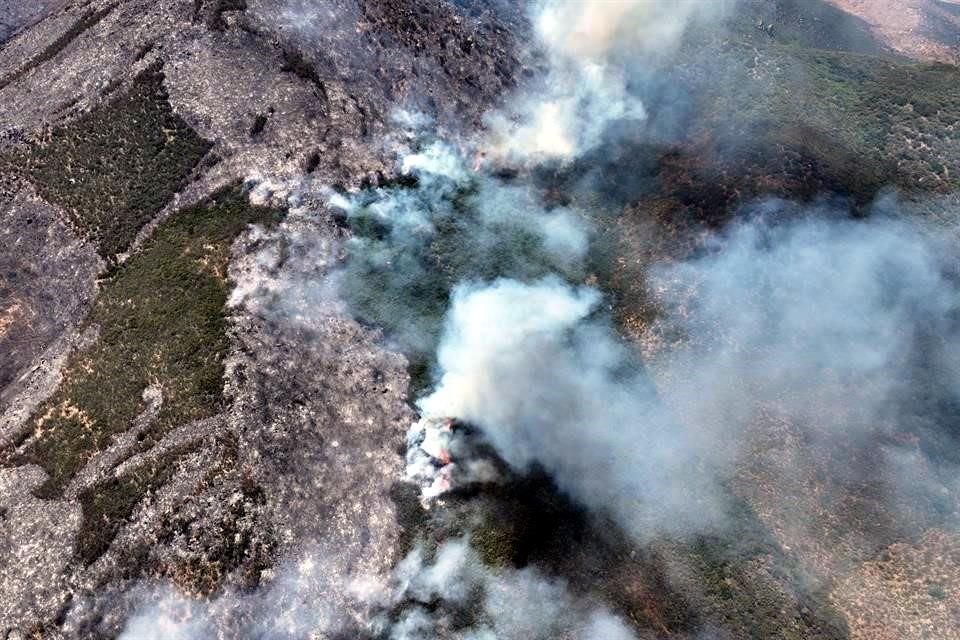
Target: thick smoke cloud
{"x":599,"y":30}
{"x":845,"y":328}
{"x":550,"y":383}
{"x":819,"y":319}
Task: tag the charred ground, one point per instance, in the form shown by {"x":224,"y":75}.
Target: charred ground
{"x":183,"y":438}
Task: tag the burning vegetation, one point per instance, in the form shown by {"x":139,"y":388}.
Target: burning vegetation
{"x":560,"y":319}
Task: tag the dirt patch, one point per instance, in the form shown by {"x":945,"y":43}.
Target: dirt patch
{"x":908,"y":591}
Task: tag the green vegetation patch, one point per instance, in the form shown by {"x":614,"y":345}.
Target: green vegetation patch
{"x":108,"y":504}
{"x":214,"y":552}
{"x":161,"y":322}
{"x":89,"y":19}
{"x":816,"y":24}
{"x":751,"y":587}
{"x":857,"y":122}
{"x":117,"y":167}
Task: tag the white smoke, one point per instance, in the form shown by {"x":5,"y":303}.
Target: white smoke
{"x":551,"y":384}
{"x":172,"y":617}
{"x":581,"y":102}
{"x":600,"y":30}
{"x":591,"y":47}
{"x":456,"y":223}
{"x":440,"y":457}
{"x":303,"y":597}
{"x":844,"y":328}
{"x":820,"y":319}
{"x":431,"y":595}
{"x":506,"y":604}
{"x":816,"y":317}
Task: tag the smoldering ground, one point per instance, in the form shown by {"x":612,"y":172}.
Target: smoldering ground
{"x":487,"y":278}
{"x":451,"y":594}
{"x":814,"y":316}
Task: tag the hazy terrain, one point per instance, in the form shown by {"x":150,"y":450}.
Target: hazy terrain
{"x":479,"y":319}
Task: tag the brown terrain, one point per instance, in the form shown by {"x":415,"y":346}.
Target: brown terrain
{"x":922,"y":29}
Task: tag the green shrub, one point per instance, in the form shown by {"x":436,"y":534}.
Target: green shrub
{"x":108,"y":504}
{"x":161,"y":322}
{"x":936,"y":591}
{"x":117,"y":167}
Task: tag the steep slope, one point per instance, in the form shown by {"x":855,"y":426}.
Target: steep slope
{"x":18,"y":14}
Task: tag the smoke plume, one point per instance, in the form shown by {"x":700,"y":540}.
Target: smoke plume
{"x":545,"y":377}
{"x":820,"y":319}
{"x":846,"y":328}
{"x":451,"y":595}
{"x":592,"y":48}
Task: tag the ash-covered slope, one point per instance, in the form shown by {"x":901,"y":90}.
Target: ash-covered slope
{"x":586,"y":237}
{"x":18,"y":15}
{"x":165,"y":440}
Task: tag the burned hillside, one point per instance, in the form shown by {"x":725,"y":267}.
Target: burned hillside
{"x":479,"y":319}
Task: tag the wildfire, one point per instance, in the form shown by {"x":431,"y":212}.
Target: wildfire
{"x":429,"y":460}
{"x":441,"y":457}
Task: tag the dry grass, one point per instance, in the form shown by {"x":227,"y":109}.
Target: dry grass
{"x":911,"y":591}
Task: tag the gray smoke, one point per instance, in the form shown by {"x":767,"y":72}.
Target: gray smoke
{"x":822,"y":318}
{"x":847,"y":329}
{"x":506,"y":604}
{"x":550,"y":383}
{"x":819,"y":319}
{"x":452,"y":595}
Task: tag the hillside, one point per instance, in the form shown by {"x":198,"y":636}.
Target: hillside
{"x":239,"y":236}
